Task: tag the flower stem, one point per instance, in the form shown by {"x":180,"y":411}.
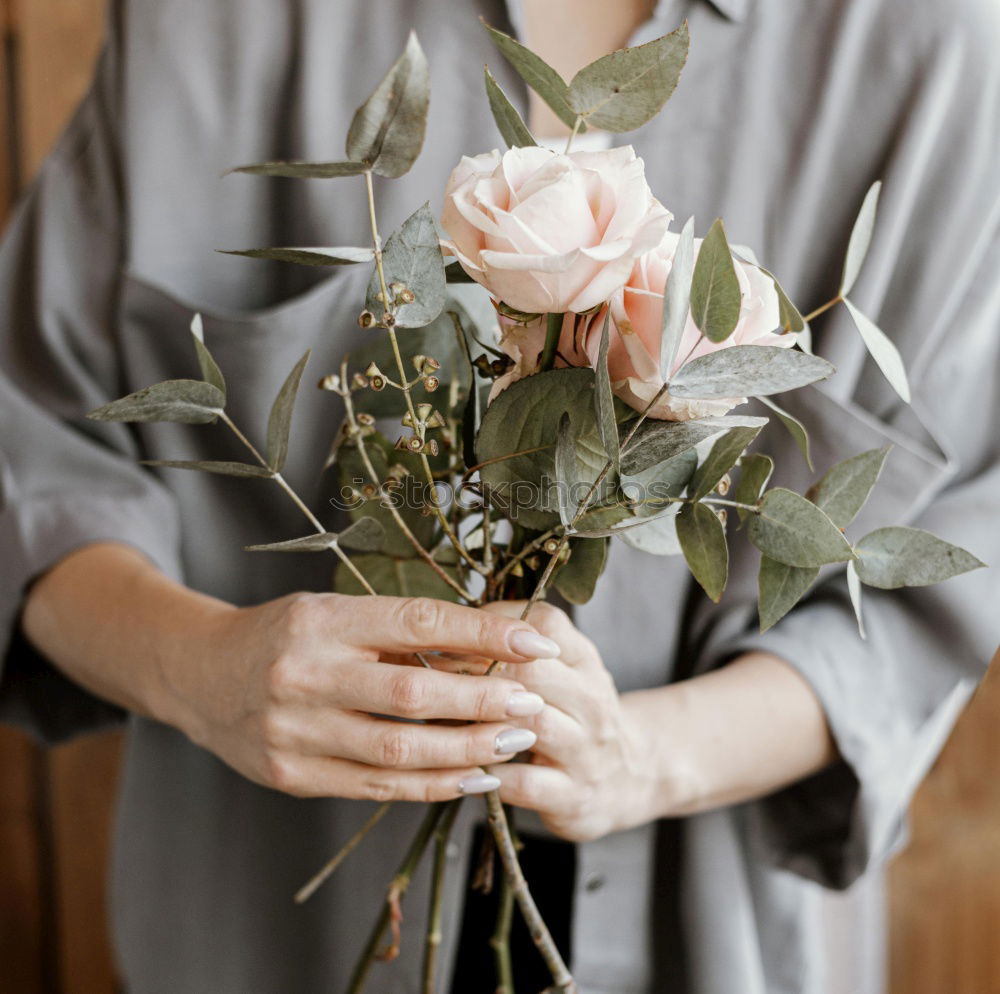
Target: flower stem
{"x":823,"y":308}
{"x":553,"y":329}
{"x":572,"y":135}
{"x":432,"y":944}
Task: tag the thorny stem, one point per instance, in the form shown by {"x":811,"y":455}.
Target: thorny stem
{"x":397,"y":888}
{"x":405,"y":387}
{"x":562,"y":979}
{"x":823,"y":308}
{"x":299,"y":503}
{"x":432,"y":944}
{"x":307,"y":891}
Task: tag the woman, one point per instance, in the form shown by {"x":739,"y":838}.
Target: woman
{"x":791,"y":755}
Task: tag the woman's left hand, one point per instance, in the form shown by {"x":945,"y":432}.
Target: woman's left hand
{"x":589,"y":774}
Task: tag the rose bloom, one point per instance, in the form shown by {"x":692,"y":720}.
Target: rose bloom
{"x":550,"y":233}
{"x":634,"y":346}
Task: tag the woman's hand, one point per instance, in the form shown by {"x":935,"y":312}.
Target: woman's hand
{"x":590,"y":771}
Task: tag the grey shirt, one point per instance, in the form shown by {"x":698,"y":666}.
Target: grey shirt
{"x":786,"y":112}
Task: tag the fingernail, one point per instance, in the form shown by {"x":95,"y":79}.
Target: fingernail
{"x":514,"y":740}
{"x":479,"y":783}
{"x":523,"y":704}
{"x":533,"y":645}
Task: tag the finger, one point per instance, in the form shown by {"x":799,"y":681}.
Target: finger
{"x":545,"y":789}
{"x":403,"y":745}
{"x":314,"y":776}
{"x":417,"y":693}
{"x":575,"y":649}
{"x":559,"y":738}
{"x":408,"y":624}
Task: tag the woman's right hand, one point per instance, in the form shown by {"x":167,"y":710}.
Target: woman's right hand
{"x":287,"y":693}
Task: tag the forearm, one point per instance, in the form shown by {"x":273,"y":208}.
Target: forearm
{"x":731,"y":735}
{"x":113,"y":623}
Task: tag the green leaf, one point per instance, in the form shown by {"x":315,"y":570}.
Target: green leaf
{"x":657,"y":536}
{"x":796,"y":532}
{"x":882,"y":350}
{"x":365,"y":535}
{"x":387,"y":130}
{"x":526,"y":417}
{"x":854,"y":591}
{"x":604,"y":399}
{"x":788,"y":314}
{"x":222,"y":468}
{"x":845,"y":488}
{"x":715,"y":288}
{"x":319,"y":542}
{"x":795,"y":428}
{"x":512,"y":128}
{"x":657,"y":441}
{"x":755,"y":470}
{"x":748,"y":370}
{"x":677,"y":299}
{"x":703,"y":542}
{"x":343,"y":256}
{"x":566,"y":469}
{"x":909,"y":557}
{"x":622,"y":91}
{"x":779,"y":588}
{"x":578,"y":576}
{"x":210,"y":371}
{"x":653,"y":489}
{"x":280,"y":422}
{"x":538,"y":74}
{"x":395,"y":578}
{"x":721,"y":459}
{"x":304,"y":170}
{"x":412,"y":258}
{"x":860,"y":240}
{"x":192,"y":402}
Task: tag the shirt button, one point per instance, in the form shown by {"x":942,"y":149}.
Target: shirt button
{"x":593,"y":881}
{"x":452,"y":850}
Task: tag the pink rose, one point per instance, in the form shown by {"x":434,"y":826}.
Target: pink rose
{"x":549,"y":233}
{"x":637,"y":313}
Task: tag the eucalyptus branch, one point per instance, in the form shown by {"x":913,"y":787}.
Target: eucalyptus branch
{"x":573,"y":134}
{"x":500,"y":940}
{"x":535,"y":545}
{"x":299,"y":503}
{"x":823,"y":308}
{"x":432,"y":944}
{"x":390,"y":505}
{"x":401,"y":367}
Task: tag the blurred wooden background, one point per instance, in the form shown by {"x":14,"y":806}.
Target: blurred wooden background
{"x":55,"y":805}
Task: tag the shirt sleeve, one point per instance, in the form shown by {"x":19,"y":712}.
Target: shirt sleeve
{"x":66,"y":482}
{"x":930,"y":281}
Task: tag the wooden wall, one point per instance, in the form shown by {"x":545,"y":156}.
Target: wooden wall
{"x":55,"y":806}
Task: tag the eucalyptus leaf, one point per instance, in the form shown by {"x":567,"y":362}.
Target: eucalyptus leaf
{"x":393,"y":577}
{"x":280,"y":421}
{"x":412,"y":258}
{"x":343,"y":256}
{"x":577,"y":577}
{"x":755,"y":470}
{"x":703,"y":542}
{"x":192,"y":402}
{"x":365,"y":535}
{"x":715,"y":288}
{"x":844,"y":489}
{"x":512,"y":128}
{"x":796,"y":532}
{"x":304,"y":170}
{"x":657,"y":441}
{"x":779,"y":588}
{"x":854,"y":591}
{"x":860,"y":240}
{"x":653,"y":488}
{"x":210,"y":371}
{"x":604,"y":399}
{"x":748,"y":370}
{"x":788,"y":314}
{"x":721,"y":459}
{"x":319,"y":542}
{"x":209,"y":466}
{"x":882,"y":350}
{"x":538,"y":74}
{"x":387,"y":130}
{"x":795,"y":428}
{"x":894,"y":557}
{"x":622,"y":91}
{"x":677,"y":299}
{"x":566,"y":476}
{"x":657,"y":536}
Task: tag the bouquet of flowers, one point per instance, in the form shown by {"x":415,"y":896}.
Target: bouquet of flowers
{"x":486,"y":460}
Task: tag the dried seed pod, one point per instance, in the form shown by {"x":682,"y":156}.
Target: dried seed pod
{"x":418,"y":362}
{"x":436,"y":420}
{"x":398,"y":470}
{"x":396,"y":287}
{"x":331,"y":382}
{"x":517,"y":570}
{"x":406,"y":296}
{"x":407,"y":421}
{"x":424,"y":411}
{"x":402,"y":444}
{"x":365,"y":419}
{"x":430,"y":365}
{"x":483,"y":364}
{"x":415,"y":444}
{"x":724,"y":485}
{"x":359,"y":381}
{"x":501,"y":365}
{"x":431,"y":383}
{"x":389,"y":320}
{"x":432,"y":447}
{"x":722,"y":516}
{"x":369,"y":490}
{"x":552,"y":546}
{"x":366,"y":319}
{"x":377,"y":382}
